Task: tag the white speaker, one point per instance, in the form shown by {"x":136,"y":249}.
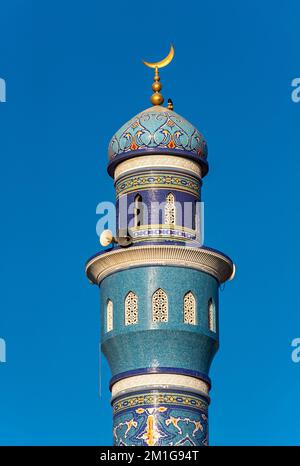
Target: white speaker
{"x":106,"y":238}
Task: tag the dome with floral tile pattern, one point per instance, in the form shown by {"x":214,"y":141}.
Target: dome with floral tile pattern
{"x":157,"y":130}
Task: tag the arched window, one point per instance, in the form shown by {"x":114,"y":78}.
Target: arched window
{"x":159,"y":306}
{"x":109,"y":315}
{"x":131,"y":309}
{"x":189,"y":309}
{"x":211,"y":316}
{"x":170,"y":210}
{"x":138,"y":210}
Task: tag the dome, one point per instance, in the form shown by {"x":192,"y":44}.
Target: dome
{"x":157,"y":130}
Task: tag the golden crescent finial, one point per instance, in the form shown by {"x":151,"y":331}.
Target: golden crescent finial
{"x":164,"y":62}
{"x":157,"y":98}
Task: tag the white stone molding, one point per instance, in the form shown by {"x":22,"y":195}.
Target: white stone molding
{"x":157,"y":161}
{"x":159,"y":381}
{"x":206,"y":260}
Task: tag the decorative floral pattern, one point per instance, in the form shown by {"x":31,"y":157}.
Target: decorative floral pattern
{"x":163,"y":233}
{"x":157,"y":180}
{"x":160,"y":418}
{"x":157,"y":128}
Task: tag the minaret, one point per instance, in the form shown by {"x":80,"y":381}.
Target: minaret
{"x":159,"y":285}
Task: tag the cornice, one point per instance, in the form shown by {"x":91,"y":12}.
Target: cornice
{"x":207,"y":260}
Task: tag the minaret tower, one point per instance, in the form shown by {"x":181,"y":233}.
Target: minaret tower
{"x":159,"y":285}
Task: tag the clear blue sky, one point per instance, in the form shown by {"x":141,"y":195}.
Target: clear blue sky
{"x":74,"y":75}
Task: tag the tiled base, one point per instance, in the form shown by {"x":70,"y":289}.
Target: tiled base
{"x":160,"y":417}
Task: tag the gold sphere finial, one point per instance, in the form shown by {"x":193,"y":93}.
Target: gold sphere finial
{"x":157,"y":98}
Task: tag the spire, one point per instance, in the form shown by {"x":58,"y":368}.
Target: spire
{"x":157,"y":98}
